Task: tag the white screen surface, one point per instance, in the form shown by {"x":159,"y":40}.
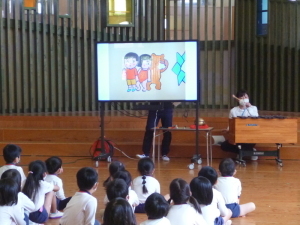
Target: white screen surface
{"x":147,"y":71}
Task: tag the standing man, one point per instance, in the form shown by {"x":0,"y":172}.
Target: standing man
{"x":166,"y":117}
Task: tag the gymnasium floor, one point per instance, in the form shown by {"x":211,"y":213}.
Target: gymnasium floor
{"x":275,"y":190}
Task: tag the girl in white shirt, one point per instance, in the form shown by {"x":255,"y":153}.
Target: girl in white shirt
{"x":24,"y":203}
{"x":185,"y":210}
{"x":9,"y":214}
{"x":217,"y":210}
{"x":39,"y":191}
{"x":144,"y":185}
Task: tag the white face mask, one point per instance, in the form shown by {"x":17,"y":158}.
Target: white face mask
{"x":244,"y":101}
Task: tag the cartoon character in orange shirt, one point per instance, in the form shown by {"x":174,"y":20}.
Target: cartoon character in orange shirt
{"x":130,"y":71}
{"x":144,"y":73}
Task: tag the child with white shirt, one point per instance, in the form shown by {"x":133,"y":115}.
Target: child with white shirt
{"x":145,"y":184}
{"x":54,"y":168}
{"x":185,"y":209}
{"x":132,"y":196}
{"x":81,"y":209}
{"x":12,"y":156}
{"x":156,"y":208}
{"x":39,"y":191}
{"x":24,"y":203}
{"x":126,"y":176}
{"x":202,"y":191}
{"x":9,"y":214}
{"x":231,"y":188}
{"x":216,"y":212}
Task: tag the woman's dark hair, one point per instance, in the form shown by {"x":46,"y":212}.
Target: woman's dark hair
{"x":9,"y":190}
{"x":241,"y":93}
{"x":180,"y":193}
{"x":227,"y":167}
{"x":210,"y":173}
{"x":202,"y":190}
{"x":36,"y":171}
{"x":87,"y":177}
{"x":156,"y":206}
{"x":145,"y":167}
{"x":115,"y":166}
{"x":118,"y":212}
{"x":124,"y":175}
{"x":11,"y":152}
{"x":13,"y":174}
{"x":116,"y":188}
{"x":53,"y":164}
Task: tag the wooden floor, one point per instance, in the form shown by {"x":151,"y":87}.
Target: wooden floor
{"x":274,"y":190}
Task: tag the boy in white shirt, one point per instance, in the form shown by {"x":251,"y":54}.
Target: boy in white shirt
{"x":54,"y":168}
{"x":82,"y":207}
{"x":231,"y":188}
{"x":12,"y":156}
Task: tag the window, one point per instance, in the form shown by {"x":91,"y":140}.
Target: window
{"x":120,"y":13}
{"x":262,"y":17}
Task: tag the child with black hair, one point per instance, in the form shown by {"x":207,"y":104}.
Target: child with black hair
{"x":12,"y":156}
{"x":132,"y":196}
{"x":231,"y":189}
{"x":156,"y":208}
{"x":114,"y":166}
{"x":201,"y":189}
{"x":39,"y":191}
{"x":185,"y":209}
{"x":117,"y":188}
{"x":24,"y":203}
{"x":118,"y":212}
{"x":82,"y":207}
{"x":145,"y":184}
{"x":216,"y":212}
{"x":9,"y":212}
{"x":54,"y":168}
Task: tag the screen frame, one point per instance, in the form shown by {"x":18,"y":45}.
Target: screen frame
{"x":147,"y":100}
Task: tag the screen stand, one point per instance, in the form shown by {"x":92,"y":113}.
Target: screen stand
{"x":103,"y":151}
{"x":197,"y":157}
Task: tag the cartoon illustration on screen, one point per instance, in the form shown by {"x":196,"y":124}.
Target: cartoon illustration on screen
{"x":130,"y":72}
{"x":177,"y":68}
{"x":158,"y":66}
{"x":144,"y":73}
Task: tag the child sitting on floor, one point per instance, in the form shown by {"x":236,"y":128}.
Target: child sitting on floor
{"x":12,"y":156}
{"x":231,"y":188}
{"x":81,"y":209}
{"x":54,"y":168}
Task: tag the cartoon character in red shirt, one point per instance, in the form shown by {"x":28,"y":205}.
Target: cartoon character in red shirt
{"x":144,"y":73}
{"x":130,"y":71}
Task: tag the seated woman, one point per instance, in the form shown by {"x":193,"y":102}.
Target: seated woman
{"x":244,"y":109}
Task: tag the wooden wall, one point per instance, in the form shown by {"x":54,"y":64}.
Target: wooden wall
{"x":48,"y":51}
{"x":268,"y":66}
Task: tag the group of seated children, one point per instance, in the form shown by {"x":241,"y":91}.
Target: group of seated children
{"x":40,"y":196}
{"x":207,"y":200}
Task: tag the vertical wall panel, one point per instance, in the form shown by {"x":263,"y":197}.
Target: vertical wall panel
{"x":272,"y":69}
{"x":48,"y":61}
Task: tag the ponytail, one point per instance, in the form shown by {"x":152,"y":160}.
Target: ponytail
{"x":145,"y":190}
{"x":195,"y":204}
{"x":35,"y":175}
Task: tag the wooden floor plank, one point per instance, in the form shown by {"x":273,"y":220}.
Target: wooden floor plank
{"x":275,"y":190}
